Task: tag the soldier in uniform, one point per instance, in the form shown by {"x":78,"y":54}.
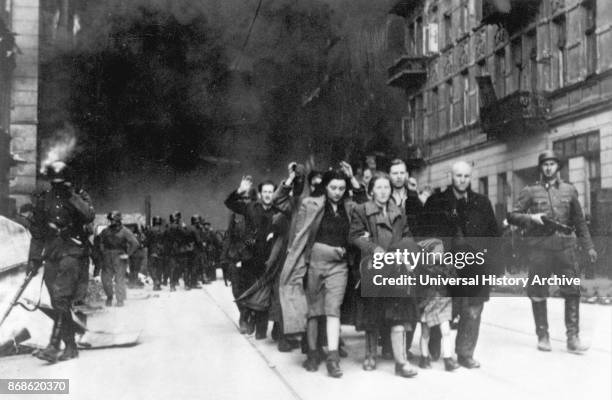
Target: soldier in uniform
{"x":155,"y":242}
{"x":183,"y":241}
{"x":198,"y":252}
{"x":550,"y":212}
{"x":212,"y":247}
{"x":138,"y":260}
{"x":59,"y":238}
{"x":117,"y":244}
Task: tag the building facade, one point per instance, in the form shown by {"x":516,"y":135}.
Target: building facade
{"x":497,"y":82}
{"x":19,"y":101}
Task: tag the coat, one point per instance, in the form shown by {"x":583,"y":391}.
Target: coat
{"x":439,"y":220}
{"x":369,"y":230}
{"x":291,"y":283}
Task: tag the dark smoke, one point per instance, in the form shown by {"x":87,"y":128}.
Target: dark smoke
{"x":166,"y":98}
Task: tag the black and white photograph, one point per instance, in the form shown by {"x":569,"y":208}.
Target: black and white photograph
{"x":306,"y":199}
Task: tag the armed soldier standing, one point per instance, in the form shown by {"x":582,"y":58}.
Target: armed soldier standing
{"x":212,"y":248}
{"x":59,"y":238}
{"x":155,"y":242}
{"x":550,"y":212}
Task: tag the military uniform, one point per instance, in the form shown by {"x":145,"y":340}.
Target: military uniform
{"x":59,"y":240}
{"x":117,"y":244}
{"x":155,"y":242}
{"x":552,"y":250}
{"x":211,"y":248}
{"x":183,"y":242}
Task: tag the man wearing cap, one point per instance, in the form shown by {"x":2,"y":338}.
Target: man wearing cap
{"x":550,"y":212}
{"x":117,"y":243}
{"x":58,"y":227}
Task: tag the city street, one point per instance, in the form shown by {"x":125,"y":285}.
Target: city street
{"x":190,"y":348}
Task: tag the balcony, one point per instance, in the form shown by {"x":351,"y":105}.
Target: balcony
{"x":404,"y":8}
{"x":512,"y":14}
{"x":408,"y":72}
{"x":516,"y":115}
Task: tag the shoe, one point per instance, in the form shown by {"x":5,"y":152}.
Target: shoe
{"x":544,"y":343}
{"x":411,"y":357}
{"x":450,"y":364}
{"x":119,"y":303}
{"x":260,"y":335}
{"x":284,"y":345}
{"x":52,"y":352}
{"x":333,"y":364}
{"x":468,"y":362}
{"x":387,"y":355}
{"x":187,"y":287}
{"x":156,"y":288}
{"x":425,"y":362}
{"x":574,"y":345}
{"x":196,"y":286}
{"x":312,"y":361}
{"x":172,"y":288}
{"x":369,"y":364}
{"x":341,"y":352}
{"x":69,"y":353}
{"x":405,"y":370}
{"x":109,"y":302}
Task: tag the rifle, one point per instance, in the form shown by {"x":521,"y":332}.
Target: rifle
{"x":554,"y":225}
{"x":17,"y":295}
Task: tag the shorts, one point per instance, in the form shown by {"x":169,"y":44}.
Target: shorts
{"x":326,"y":280}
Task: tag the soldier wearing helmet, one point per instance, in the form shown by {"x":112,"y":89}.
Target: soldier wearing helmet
{"x":117,"y":243}
{"x":155,"y":240}
{"x":182,"y":241}
{"x":59,"y":240}
{"x":551,"y":214}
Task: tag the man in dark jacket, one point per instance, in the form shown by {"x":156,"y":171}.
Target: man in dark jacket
{"x":465,"y":222}
{"x":155,"y":243}
{"x":258,"y":226}
{"x":117,"y":244}
{"x":59,"y":237}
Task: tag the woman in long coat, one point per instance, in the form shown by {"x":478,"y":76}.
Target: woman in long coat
{"x":318,"y":253}
{"x":376,"y":227}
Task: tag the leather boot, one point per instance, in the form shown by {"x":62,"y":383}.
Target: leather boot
{"x":52,"y":351}
{"x":541,"y":323}
{"x":333,"y":364}
{"x":572,"y":323}
{"x":450,"y":364}
{"x":312,"y":361}
{"x":371,"y":342}
{"x":70,"y":349}
{"x":261,"y":325}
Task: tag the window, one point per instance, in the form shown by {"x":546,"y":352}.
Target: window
{"x":590,"y":37}
{"x":561,"y":52}
{"x":450,"y":101}
{"x":443,"y":106}
{"x":418,"y":34}
{"x":464,"y":23}
{"x":431,"y":36}
{"x":433,"y":109}
{"x":500,"y":73}
{"x":410,"y":40}
{"x":465,"y":118}
{"x":516,"y":50}
{"x":483,"y":185}
{"x":448,"y":36}
{"x":419,"y":119}
{"x":530,"y":73}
